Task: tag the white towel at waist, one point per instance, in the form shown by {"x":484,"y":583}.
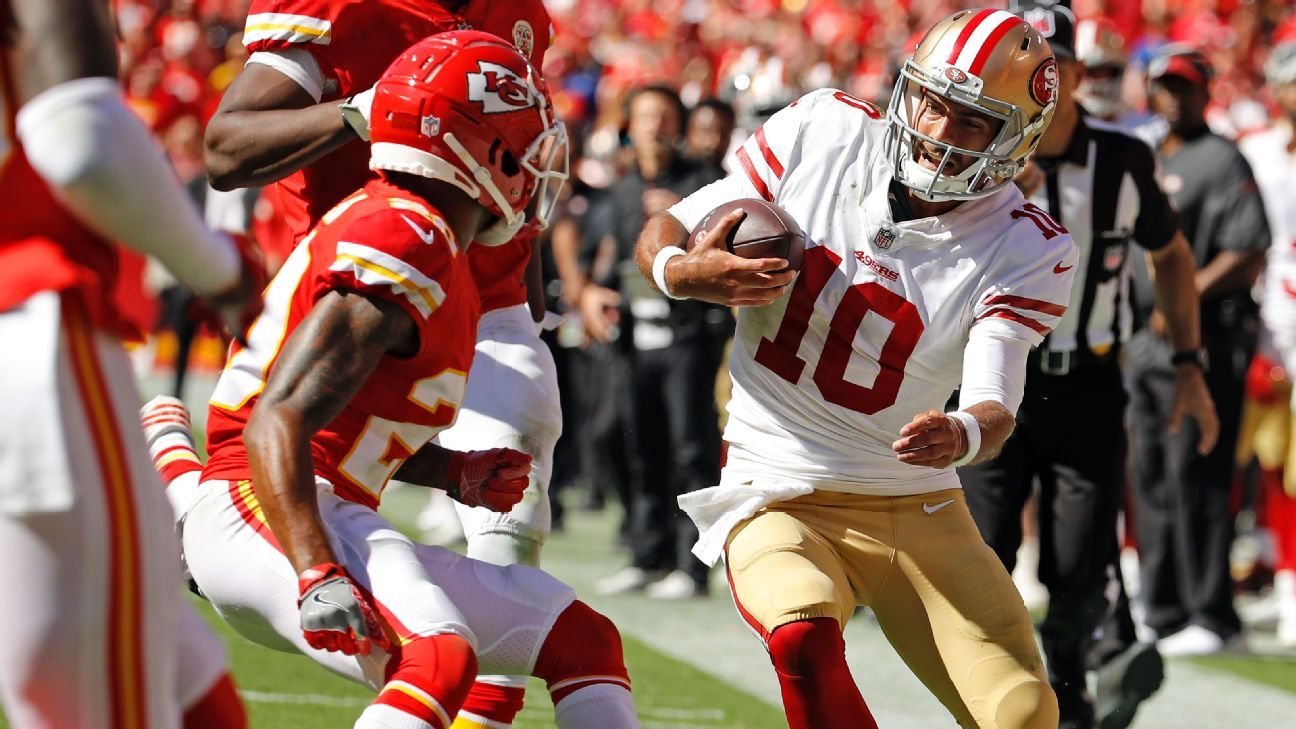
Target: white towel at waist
{"x":717,"y":510}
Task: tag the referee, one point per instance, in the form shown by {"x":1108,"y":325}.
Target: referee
{"x":1070,"y":435}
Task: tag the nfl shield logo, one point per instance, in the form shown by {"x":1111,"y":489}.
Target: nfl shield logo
{"x":885,"y":236}
{"x":430,"y":126}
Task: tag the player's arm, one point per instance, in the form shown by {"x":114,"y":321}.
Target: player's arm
{"x":940,"y":440}
{"x":323,"y":365}
{"x":494,"y":478}
{"x":1173,"y":270}
{"x":535,"y":283}
{"x":709,"y":272}
{"x":102,"y":163}
{"x":267,"y":127}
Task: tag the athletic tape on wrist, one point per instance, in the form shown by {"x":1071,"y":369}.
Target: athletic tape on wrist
{"x":659,"y":268}
{"x":972,"y":429}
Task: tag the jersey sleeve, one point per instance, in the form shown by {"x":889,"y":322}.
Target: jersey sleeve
{"x":1240,"y":213}
{"x":277,"y":25}
{"x":403,"y":256}
{"x":759,"y":165}
{"x":1157,"y":221}
{"x":1026,"y":295}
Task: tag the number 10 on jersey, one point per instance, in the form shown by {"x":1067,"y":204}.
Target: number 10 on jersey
{"x":779,"y":355}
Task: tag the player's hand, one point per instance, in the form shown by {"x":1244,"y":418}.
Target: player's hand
{"x":356,"y":111}
{"x":335,"y":614}
{"x":599,"y":311}
{"x":494,"y":479}
{"x":1192,"y":399}
{"x":240,"y":304}
{"x":1030,"y":179}
{"x":709,"y":272}
{"x":931,"y":439}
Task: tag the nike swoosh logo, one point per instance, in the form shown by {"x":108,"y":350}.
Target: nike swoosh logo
{"x":319,"y":599}
{"x":1059,"y":268}
{"x":937,"y":507}
{"x":424,"y":235}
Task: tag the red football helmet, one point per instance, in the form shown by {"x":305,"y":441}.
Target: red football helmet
{"x":467,"y":108}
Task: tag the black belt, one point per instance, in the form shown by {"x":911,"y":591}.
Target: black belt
{"x":1057,"y":363}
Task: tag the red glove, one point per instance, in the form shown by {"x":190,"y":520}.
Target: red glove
{"x":494,"y":479}
{"x":336,"y":615}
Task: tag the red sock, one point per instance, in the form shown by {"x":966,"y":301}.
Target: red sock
{"x":582,"y":649}
{"x":809,"y":657}
{"x":494,"y":703}
{"x":431,"y":678}
{"x":219,"y":708}
{"x":1280,"y":517}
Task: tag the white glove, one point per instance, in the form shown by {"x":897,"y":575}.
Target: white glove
{"x":356,"y":110}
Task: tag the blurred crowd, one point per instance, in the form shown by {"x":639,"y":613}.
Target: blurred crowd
{"x":655,"y":92}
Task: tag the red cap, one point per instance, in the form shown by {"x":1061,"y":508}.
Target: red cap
{"x":1190,"y":65}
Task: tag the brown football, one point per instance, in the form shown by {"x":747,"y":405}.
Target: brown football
{"x":766,"y":231}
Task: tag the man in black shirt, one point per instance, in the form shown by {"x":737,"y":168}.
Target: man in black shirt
{"x":673,"y":350}
{"x":1184,"y":525}
{"x":1070,"y":435}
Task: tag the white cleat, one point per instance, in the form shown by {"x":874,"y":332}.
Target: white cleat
{"x":675,"y":586}
{"x":1196,"y":640}
{"x":629,"y":579}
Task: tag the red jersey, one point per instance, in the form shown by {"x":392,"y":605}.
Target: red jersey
{"x":385,"y":243}
{"x":354,"y":41}
{"x":43,"y":247}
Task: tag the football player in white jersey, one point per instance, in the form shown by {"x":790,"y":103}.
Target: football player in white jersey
{"x":923,"y":269}
{"x":1266,"y":420}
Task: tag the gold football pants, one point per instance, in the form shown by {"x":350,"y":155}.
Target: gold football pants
{"x":941,"y":596}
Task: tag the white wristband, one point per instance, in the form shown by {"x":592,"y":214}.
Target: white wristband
{"x":973,"y":431}
{"x":659,"y":268}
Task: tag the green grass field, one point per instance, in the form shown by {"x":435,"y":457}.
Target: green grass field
{"x":694,"y":666}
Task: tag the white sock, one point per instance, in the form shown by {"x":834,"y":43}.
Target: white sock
{"x":183,"y":492}
{"x":601,"y":706}
{"x":382,"y":716}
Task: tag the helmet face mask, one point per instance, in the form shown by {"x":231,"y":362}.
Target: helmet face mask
{"x":1008,"y":75}
{"x":466,"y":108}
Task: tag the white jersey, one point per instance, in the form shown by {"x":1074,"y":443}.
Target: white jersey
{"x":1275,"y":173}
{"x":874,"y":329}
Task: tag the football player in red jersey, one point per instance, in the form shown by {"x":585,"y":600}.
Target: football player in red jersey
{"x":359,"y":359}
{"x":96,"y":633}
{"x":297,"y":116}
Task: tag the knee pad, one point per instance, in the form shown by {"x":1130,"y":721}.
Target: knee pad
{"x":803,"y":648}
{"x":1030,"y":704}
{"x":582,"y":648}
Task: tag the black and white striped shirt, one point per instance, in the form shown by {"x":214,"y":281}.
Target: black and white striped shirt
{"x":1103,"y":188}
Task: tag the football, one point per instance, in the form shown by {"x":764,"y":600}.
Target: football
{"x":766,"y":231}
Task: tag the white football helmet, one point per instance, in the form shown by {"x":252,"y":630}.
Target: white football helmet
{"x":991,"y":61}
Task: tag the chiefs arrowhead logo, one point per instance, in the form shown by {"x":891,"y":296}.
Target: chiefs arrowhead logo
{"x":498,"y":89}
{"x":1044,"y":82}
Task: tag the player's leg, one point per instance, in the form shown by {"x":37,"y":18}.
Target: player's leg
{"x":790,"y":589}
{"x":93,"y":642}
{"x":1155,"y":497}
{"x":688,"y":390}
{"x":527,"y":623}
{"x":975,"y":650}
{"x":511,"y":401}
{"x":1080,"y":497}
{"x":238,"y":565}
{"x":997,"y":492}
{"x":207,"y":694}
